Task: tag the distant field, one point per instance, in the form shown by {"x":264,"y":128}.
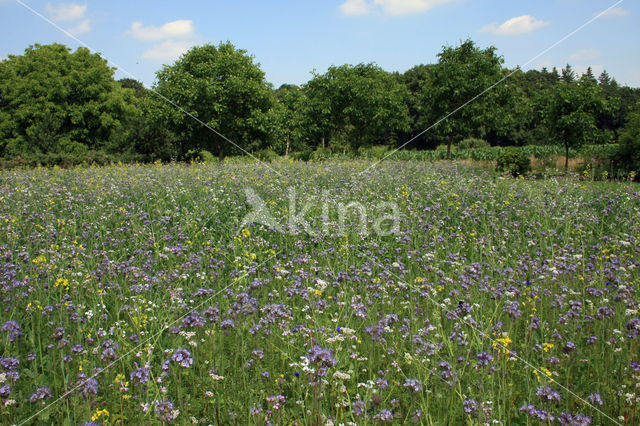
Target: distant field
{"x":137,"y":295}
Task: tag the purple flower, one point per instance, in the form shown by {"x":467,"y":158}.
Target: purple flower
{"x":9,"y":363}
{"x":164,"y":411}
{"x":58,"y":333}
{"x":5,"y":391}
{"x":358,"y":407}
{"x":41,"y":394}
{"x":182,"y":357}
{"x":382,"y":384}
{"x":76,"y":349}
{"x":321,"y":357}
{"x":13,"y":329}
{"x":569,"y":347}
{"x":470,"y":406}
{"x":484,"y":358}
{"x":413,"y":384}
{"x":595,"y":399}
{"x":384,"y":416}
{"x":139,"y":376}
{"x":548,"y":394}
{"x":87,"y":386}
{"x":194,"y":320}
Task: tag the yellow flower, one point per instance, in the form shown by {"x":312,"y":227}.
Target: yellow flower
{"x":502,"y":343}
{"x":547,"y":346}
{"x":99,"y":414}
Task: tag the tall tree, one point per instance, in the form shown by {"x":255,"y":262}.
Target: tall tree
{"x":223,"y":88}
{"x":361,"y":104}
{"x":461,"y":76}
{"x":568,"y":75}
{"x":55,"y":101}
{"x":571,"y":111}
{"x":288,"y":119}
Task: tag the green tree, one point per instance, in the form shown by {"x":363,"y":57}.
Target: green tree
{"x":570,"y":113}
{"x":59,"y":103}
{"x":461,"y":76}
{"x":362,"y":104}
{"x":627,"y":157}
{"x":288,"y":118}
{"x":222,"y":87}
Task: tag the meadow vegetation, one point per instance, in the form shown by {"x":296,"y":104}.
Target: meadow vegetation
{"x":132,"y":294}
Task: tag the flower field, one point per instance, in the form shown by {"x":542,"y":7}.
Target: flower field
{"x":137,"y":294}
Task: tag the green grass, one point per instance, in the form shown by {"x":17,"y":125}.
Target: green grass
{"x":108,"y":253}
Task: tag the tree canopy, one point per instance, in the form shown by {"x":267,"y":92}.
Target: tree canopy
{"x":61,"y":106}
{"x":57,"y":102}
{"x":223,"y":88}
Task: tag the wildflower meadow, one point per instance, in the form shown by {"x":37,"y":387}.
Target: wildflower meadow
{"x":407,"y":292}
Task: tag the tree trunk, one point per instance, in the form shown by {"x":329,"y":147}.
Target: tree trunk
{"x":449,"y":142}
{"x":220,"y":152}
{"x":322,"y":141}
{"x":286,"y":150}
{"x":566,"y":159}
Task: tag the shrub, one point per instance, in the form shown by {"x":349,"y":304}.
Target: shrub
{"x":374,"y":152}
{"x":206,"y":156}
{"x":472,"y":143}
{"x":321,"y":154}
{"x":302,"y":155}
{"x":266,"y":155}
{"x":514,"y":161}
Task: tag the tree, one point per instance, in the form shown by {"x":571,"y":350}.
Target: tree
{"x":627,"y":157}
{"x":570,"y":113}
{"x":568,"y":75}
{"x":462,"y":74}
{"x":59,"y":103}
{"x":413,"y":79}
{"x":361,"y":104}
{"x":288,"y":117}
{"x":223,"y":88}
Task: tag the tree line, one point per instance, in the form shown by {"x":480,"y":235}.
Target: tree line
{"x":59,"y":106}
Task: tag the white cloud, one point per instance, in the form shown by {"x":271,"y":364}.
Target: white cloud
{"x":584,"y":55}
{"x":81,"y":28}
{"x":403,"y":7}
{"x":66,"y":11}
{"x":167,"y":51}
{"x":355,"y":7}
{"x":176,"y":29}
{"x":389,"y":7}
{"x":614,"y":12}
{"x":515,"y":26}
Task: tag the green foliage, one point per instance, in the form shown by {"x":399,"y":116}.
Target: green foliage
{"x":302,"y":155}
{"x":266,"y":155}
{"x":320,"y":154}
{"x":473,"y":143}
{"x":464,"y":73}
{"x":62,"y":103}
{"x":374,"y":152}
{"x":361,"y":105}
{"x":136,"y":263}
{"x":224,"y":89}
{"x":63,"y":107}
{"x":626,"y":158}
{"x":570,"y":113}
{"x":513,"y":161}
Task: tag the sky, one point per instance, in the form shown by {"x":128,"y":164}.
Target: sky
{"x":292,"y":38}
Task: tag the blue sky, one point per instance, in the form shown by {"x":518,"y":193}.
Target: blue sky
{"x":291,"y":38}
